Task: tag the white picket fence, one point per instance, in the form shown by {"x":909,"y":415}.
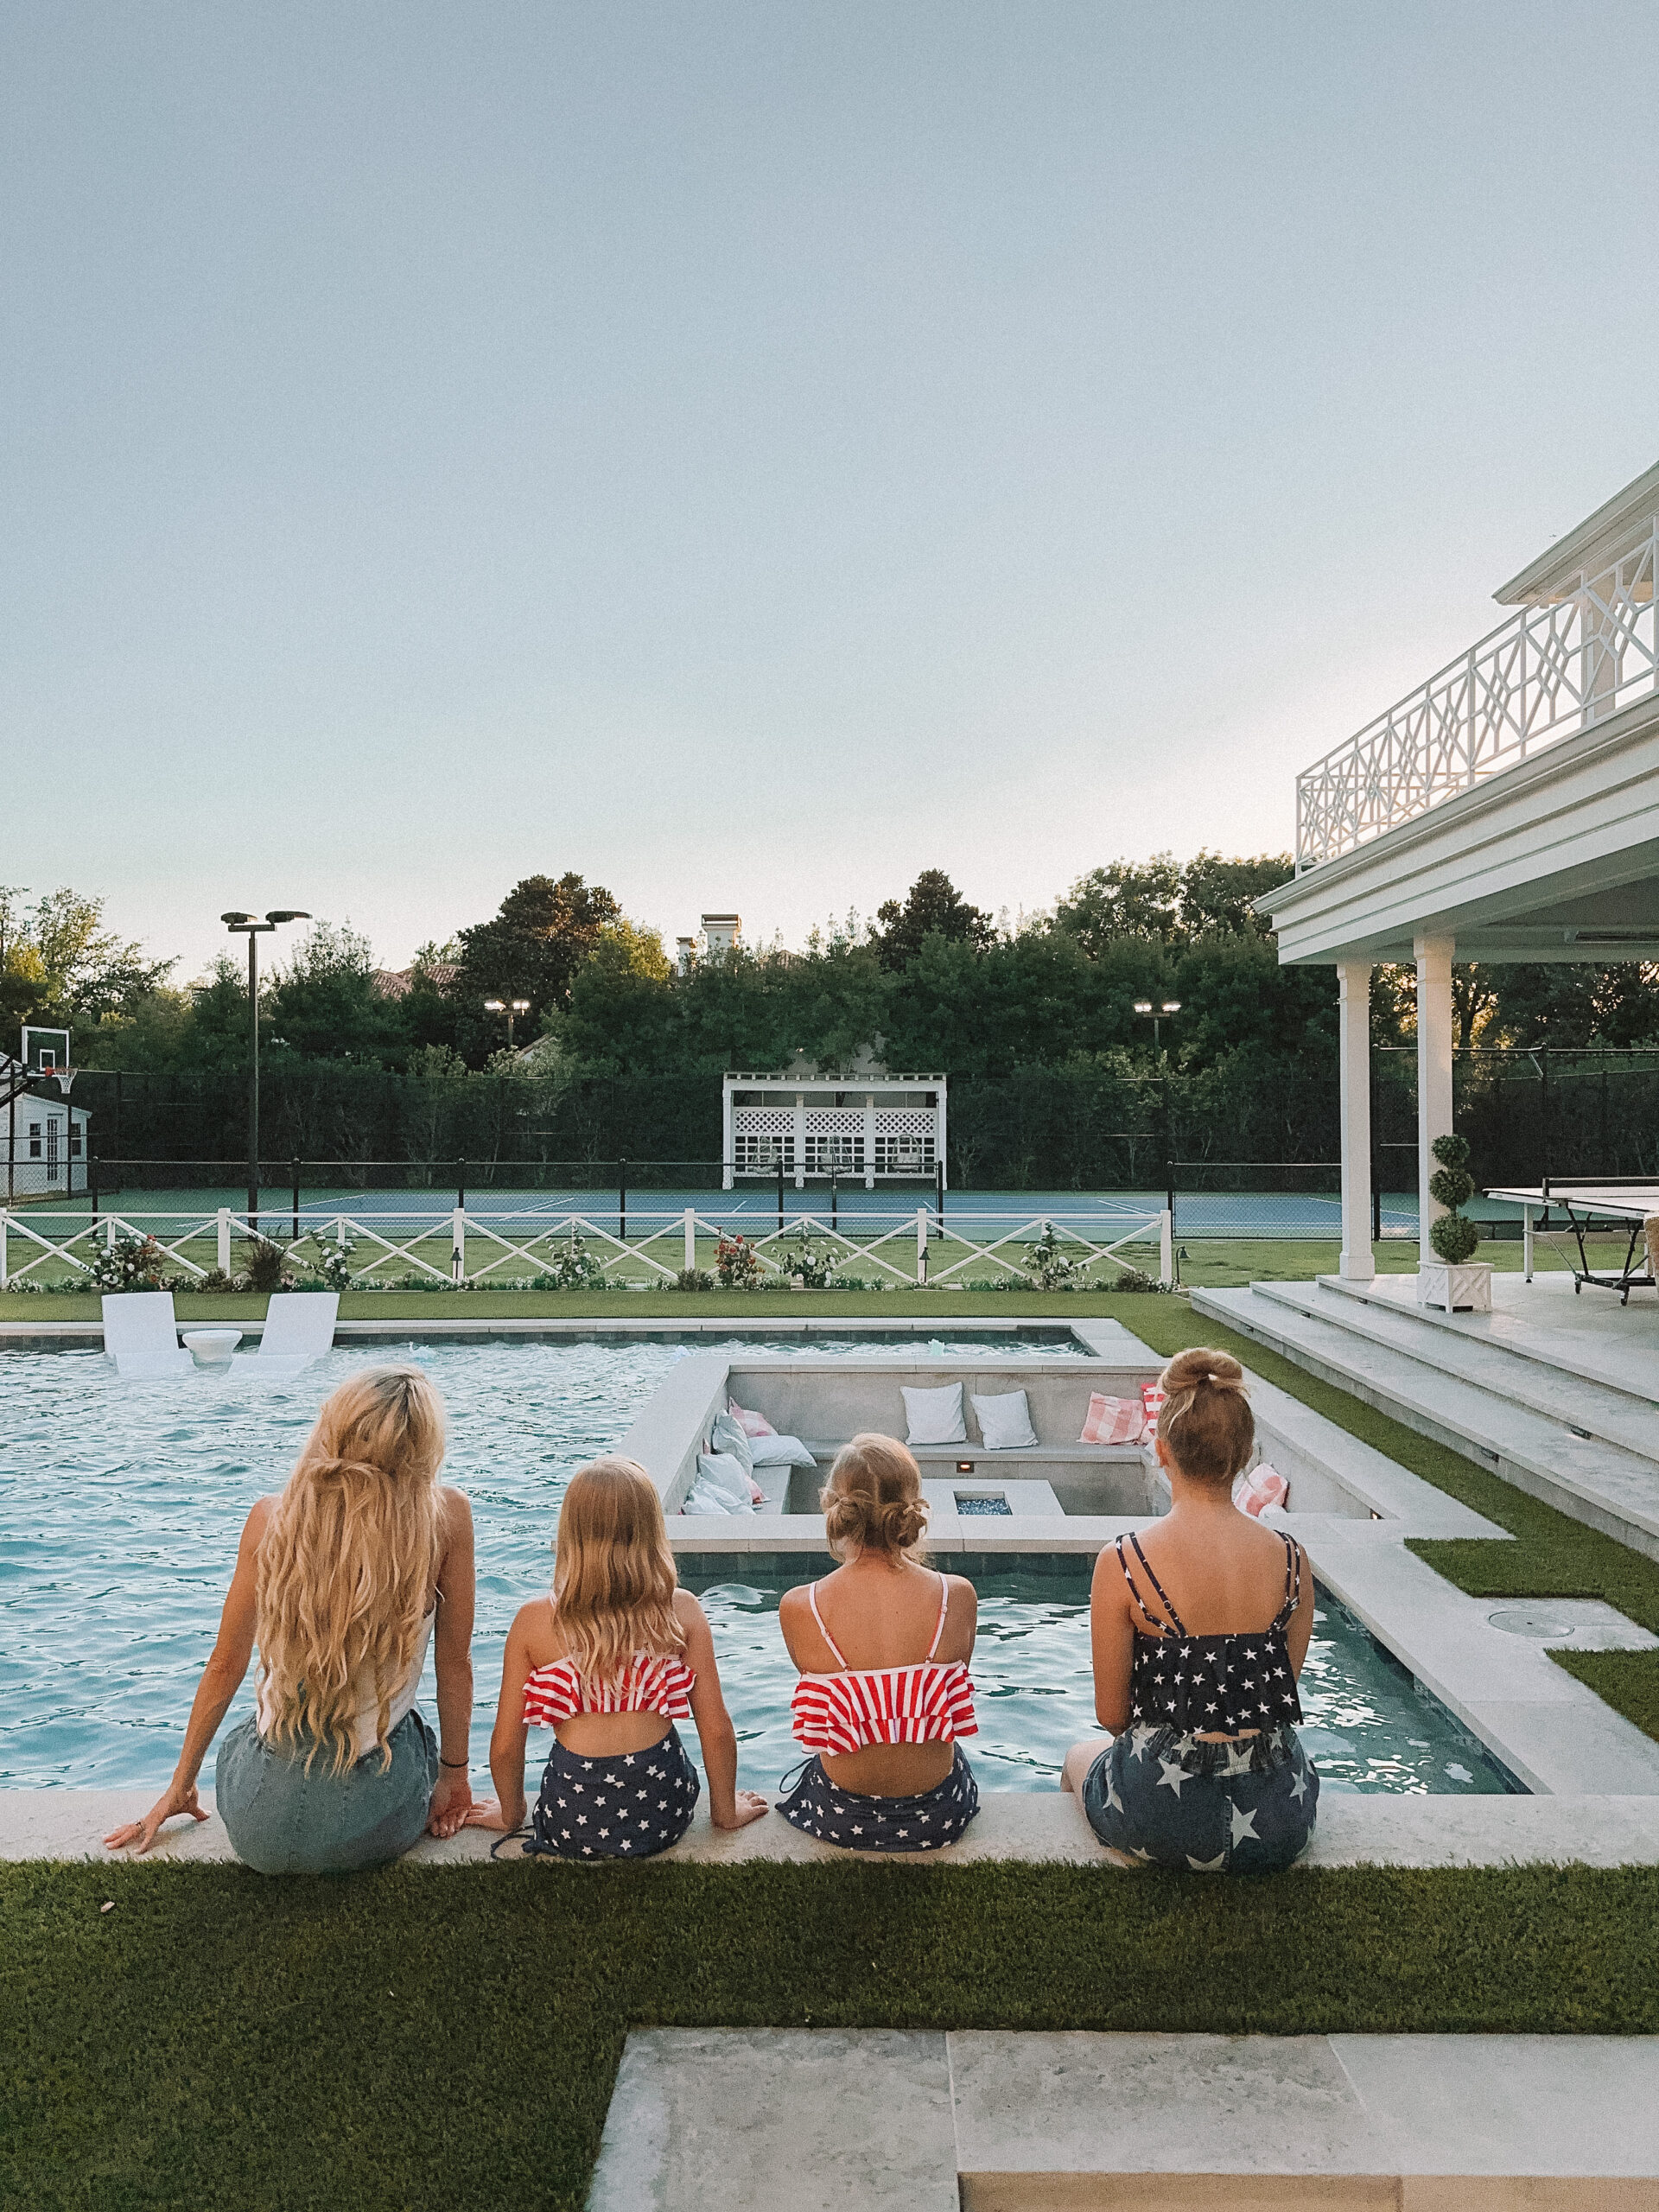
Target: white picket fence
{"x":898,"y":1250}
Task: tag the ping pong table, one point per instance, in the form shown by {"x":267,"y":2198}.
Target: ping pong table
{"x":1630,"y":1203}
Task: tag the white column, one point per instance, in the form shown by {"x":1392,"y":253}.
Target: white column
{"x":940,"y":1141}
{"x":921,"y":1244}
{"x":1434,"y":1071}
{"x":727,"y":1141}
{"x":1356,"y":1263}
{"x":690,"y":1240}
{"x":1167,"y":1248}
{"x":4,"y":1224}
{"x":458,"y":1244}
{"x":869,"y":1143}
{"x":799,"y":1120}
{"x":224,"y":1254}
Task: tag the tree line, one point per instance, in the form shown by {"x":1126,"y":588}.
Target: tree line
{"x":625,"y":1048}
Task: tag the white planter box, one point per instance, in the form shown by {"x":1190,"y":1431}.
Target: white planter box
{"x":1466,"y":1288}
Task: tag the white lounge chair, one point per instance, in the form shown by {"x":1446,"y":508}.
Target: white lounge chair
{"x":140,"y":1335}
{"x":299,"y":1328}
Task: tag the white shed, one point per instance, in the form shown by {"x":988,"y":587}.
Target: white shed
{"x":860,"y":1123}
{"x":42,"y":1138}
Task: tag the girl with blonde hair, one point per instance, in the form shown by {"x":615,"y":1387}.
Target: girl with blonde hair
{"x":1200,"y":1624}
{"x":883,"y":1645}
{"x":340,"y":1579}
{"x":611,"y":1658}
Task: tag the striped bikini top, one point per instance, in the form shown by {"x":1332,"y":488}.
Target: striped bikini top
{"x":1211,"y":1685}
{"x":649,"y":1684}
{"x":931,"y":1703}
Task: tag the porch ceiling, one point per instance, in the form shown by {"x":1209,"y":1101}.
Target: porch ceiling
{"x":1554,"y":859}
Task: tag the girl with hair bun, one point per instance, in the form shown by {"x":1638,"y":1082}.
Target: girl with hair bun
{"x":882,"y":1645}
{"x":341,"y":1580}
{"x":1200,"y":1624}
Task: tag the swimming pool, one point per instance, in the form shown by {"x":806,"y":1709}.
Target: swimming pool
{"x":120,"y":1505}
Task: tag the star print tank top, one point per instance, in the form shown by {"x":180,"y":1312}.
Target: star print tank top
{"x":1211,"y":1685}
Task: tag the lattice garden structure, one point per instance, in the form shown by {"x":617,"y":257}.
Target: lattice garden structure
{"x":859,"y":1125}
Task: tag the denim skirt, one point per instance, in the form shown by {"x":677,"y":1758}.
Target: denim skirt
{"x":859,"y":1822}
{"x":282,"y":1821}
{"x":1240,"y":1808}
{"x":630,"y":1805}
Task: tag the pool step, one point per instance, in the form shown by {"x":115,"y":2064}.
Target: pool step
{"x":1470,"y":1397}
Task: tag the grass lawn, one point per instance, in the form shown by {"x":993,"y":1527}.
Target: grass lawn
{"x":448,"y":2040}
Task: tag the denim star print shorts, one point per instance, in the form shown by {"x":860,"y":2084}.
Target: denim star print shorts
{"x":1242,"y":1807}
{"x":858,"y":1821}
{"x":631,"y":1805}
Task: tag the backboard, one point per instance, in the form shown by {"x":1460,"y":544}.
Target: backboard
{"x":45,"y":1049}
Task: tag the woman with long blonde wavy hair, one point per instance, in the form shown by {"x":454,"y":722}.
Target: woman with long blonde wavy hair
{"x":341,"y":1580}
{"x":610,"y":1659}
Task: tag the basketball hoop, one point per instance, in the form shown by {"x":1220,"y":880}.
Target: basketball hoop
{"x":65,"y":1077}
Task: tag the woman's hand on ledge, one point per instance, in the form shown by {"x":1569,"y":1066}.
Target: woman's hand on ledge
{"x":749,"y":1805}
{"x":181,"y":1798}
{"x":451,"y":1801}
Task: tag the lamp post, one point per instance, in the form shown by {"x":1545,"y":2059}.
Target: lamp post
{"x":1157,"y":1013}
{"x":510,"y":1008}
{"x":253,"y":929}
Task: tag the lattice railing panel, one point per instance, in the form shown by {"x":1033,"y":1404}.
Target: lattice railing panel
{"x":1544,"y":674}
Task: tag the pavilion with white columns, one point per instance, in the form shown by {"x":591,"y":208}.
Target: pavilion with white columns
{"x":1506,"y":810}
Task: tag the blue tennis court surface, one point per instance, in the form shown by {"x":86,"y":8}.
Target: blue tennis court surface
{"x":1101,"y":1216}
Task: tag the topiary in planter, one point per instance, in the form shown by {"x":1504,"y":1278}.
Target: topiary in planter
{"x":1454,"y":1239}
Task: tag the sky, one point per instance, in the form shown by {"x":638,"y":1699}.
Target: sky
{"x":749,"y":453}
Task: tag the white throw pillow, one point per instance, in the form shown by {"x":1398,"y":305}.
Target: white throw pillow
{"x":704,"y":1500}
{"x":727,"y":1475}
{"x":1005,"y":1421}
{"x":934,"y":1416}
{"x":728,"y":1437}
{"x":775,"y":1450}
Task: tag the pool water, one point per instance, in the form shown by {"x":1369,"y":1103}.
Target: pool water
{"x":121,"y":1504}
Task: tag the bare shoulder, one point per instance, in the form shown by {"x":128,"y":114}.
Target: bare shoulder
{"x":258,"y":1520}
{"x":534,"y":1631}
{"x":455,"y":1509}
{"x":960,"y":1594}
{"x":688,"y":1611}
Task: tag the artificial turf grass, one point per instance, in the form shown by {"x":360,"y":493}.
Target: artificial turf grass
{"x":448,"y":2037}
{"x":1552,"y":1556}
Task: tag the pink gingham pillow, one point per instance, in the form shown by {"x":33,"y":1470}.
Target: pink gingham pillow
{"x":1113,"y":1420}
{"x":1263,"y":1485}
{"x":1151,"y":1401}
{"x":751,"y":1424}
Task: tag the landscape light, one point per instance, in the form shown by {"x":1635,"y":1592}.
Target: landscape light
{"x":1143,"y":1005}
{"x":1172,"y":1005}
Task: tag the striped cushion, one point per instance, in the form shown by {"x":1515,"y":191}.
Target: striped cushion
{"x":1152,"y":1399}
{"x":1263,"y":1486}
{"x":1113,"y":1420}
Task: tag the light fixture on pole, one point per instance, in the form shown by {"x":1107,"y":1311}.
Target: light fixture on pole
{"x":1157,"y":1013}
{"x":512,"y":1009}
{"x":253,"y":929}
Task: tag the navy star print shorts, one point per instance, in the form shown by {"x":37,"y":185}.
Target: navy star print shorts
{"x":857,"y":1821}
{"x":1242,"y":1807}
{"x":630,"y":1805}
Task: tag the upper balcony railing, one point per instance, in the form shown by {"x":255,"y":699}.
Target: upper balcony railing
{"x":1544,"y":674}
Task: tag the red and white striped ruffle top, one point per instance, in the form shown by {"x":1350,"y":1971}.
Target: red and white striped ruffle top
{"x":931,"y":1703}
{"x":649,"y":1684}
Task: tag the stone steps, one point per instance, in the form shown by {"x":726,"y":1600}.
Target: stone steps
{"x":1580,"y":1401}
{"x":886,"y":2120}
{"x":1595,"y":1480}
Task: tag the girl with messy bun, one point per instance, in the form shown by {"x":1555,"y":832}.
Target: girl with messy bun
{"x":883,"y":1645}
{"x":1200,"y":1624}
